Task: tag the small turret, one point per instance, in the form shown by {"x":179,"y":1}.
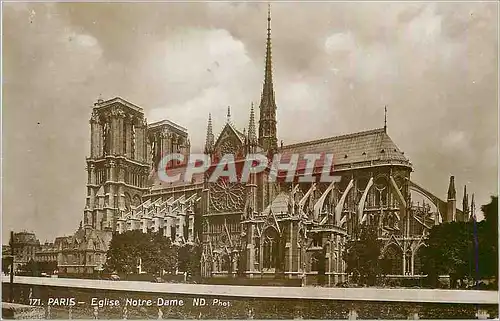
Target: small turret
{"x":452,"y":202}
{"x":452,"y":193}
{"x":473,"y":209}
{"x":209,"y":143}
{"x":465,"y":204}
{"x":252,"y":134}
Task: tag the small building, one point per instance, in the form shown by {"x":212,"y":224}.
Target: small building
{"x":25,"y":247}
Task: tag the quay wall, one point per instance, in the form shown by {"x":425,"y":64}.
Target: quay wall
{"x":244,"y":302}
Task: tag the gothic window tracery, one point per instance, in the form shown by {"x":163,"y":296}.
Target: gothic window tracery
{"x":106,"y":139}
{"x":270,"y":249}
{"x":392,"y":262}
{"x":227,"y":196}
{"x":133,"y":141}
{"x":380,"y":190}
{"x":314,"y":263}
{"x":128,"y":201}
{"x":125,"y":130}
{"x":137,"y":200}
{"x":228,"y":146}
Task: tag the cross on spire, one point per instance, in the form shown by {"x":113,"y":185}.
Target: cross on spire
{"x":228,"y":114}
{"x":385,"y":118}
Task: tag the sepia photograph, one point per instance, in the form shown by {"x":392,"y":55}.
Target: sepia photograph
{"x":250,"y":160}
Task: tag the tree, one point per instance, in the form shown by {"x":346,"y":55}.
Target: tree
{"x":488,"y":243}
{"x":159,"y":255}
{"x":362,"y":255}
{"x":448,"y":252}
{"x":124,"y":249}
{"x":31,"y":268}
{"x":6,"y":262}
{"x":156,"y":252}
{"x":490,"y":211}
{"x":464,"y":250}
{"x":190,"y":259}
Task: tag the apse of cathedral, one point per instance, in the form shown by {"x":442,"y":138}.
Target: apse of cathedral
{"x":257,"y":228}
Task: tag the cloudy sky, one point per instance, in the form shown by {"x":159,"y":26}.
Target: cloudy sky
{"x":335,"y":67}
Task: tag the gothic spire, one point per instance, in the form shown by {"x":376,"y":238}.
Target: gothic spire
{"x":267,"y":121}
{"x":452,"y":193}
{"x":268,"y":77}
{"x":252,"y":136}
{"x":473,"y":209}
{"x":209,"y":143}
{"x":465,"y":203}
{"x":228,"y":114}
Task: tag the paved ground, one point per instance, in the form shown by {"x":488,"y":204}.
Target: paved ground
{"x":357,"y":294}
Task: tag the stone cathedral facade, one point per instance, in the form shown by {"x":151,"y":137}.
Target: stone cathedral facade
{"x":254,"y":229}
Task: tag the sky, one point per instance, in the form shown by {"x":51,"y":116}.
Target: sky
{"x":335,"y":65}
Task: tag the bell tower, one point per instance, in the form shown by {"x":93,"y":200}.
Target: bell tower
{"x":117,"y":168}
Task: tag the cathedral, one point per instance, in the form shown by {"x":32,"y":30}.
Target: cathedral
{"x":258,"y":228}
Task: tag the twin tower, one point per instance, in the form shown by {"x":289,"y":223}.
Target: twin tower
{"x":124,"y":150}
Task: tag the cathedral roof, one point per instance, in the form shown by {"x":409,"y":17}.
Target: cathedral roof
{"x":366,"y":146}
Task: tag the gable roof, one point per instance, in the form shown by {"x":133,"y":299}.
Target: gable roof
{"x":236,"y":132}
{"x":367,"y":146}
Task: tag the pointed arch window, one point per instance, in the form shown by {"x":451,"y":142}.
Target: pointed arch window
{"x":125,"y":133}
{"x":133,"y":151}
{"x":106,"y":139}
{"x":270,"y":249}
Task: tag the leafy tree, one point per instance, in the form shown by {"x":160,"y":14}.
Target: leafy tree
{"x":190,"y":259}
{"x":47,"y":266}
{"x":362,"y":255}
{"x":490,"y":211}
{"x":156,"y":252}
{"x":464,"y":250}
{"x":159,"y":255}
{"x":488,"y":244}
{"x":448,"y":252}
{"x":123,"y":252}
{"x":31,"y":268}
{"x":6,"y":261}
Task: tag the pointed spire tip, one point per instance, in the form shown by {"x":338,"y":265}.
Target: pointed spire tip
{"x":385,"y":118}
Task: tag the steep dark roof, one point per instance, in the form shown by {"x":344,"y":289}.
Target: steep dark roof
{"x":366,"y":146}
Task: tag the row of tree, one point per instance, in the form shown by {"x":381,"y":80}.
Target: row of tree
{"x":462,"y":250}
{"x":154,"y":253}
